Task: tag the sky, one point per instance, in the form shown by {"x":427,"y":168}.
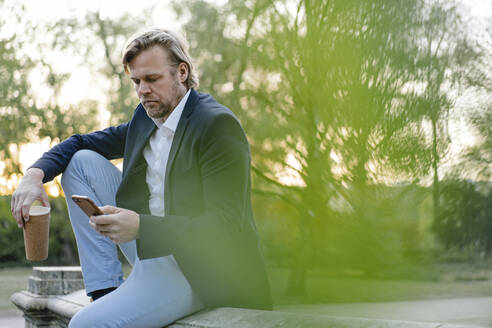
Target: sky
{"x":81,"y":85}
{"x":50,"y":10}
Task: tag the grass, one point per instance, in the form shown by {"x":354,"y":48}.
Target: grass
{"x":12,"y":280}
{"x":448,"y":280}
{"x":359,"y":290}
{"x":454,"y":280}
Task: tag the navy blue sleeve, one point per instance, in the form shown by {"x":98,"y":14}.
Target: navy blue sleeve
{"x":109,"y":142}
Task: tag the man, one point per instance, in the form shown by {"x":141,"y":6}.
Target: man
{"x":180,"y":210}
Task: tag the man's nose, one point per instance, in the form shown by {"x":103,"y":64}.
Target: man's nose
{"x":143,"y":88}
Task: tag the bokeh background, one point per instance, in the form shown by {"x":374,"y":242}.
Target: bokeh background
{"x":369,"y":124}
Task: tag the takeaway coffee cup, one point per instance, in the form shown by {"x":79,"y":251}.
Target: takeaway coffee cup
{"x":36,"y":233}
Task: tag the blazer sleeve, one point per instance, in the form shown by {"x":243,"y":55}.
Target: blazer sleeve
{"x":109,"y":142}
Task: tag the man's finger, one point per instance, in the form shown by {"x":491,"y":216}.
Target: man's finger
{"x":102,"y":219}
{"x":15,"y":217}
{"x":102,"y":229}
{"x":24,"y":206}
{"x":18,"y":217}
{"x":108,"y":209}
{"x":25,"y":211}
{"x":44,"y":199}
{"x":15,"y":210}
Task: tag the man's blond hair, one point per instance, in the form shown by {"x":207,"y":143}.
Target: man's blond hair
{"x":175,"y":45}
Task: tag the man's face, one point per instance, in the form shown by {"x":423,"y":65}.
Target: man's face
{"x":158,"y":85}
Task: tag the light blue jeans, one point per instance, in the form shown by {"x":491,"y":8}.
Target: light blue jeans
{"x":156,"y":292}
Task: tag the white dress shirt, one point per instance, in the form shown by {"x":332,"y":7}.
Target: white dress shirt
{"x":156,"y":154}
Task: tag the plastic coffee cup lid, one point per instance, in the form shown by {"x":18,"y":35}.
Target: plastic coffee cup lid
{"x":39,"y":210}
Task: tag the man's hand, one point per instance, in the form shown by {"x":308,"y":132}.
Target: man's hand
{"x":29,"y":190}
{"x":118,"y":224}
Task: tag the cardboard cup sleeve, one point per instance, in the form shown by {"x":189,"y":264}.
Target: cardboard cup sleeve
{"x":36,"y":233}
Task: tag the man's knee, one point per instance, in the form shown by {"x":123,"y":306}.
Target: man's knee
{"x":86,"y":318}
{"x":84,"y":156}
{"x":77,"y":320}
{"x":80,"y":159}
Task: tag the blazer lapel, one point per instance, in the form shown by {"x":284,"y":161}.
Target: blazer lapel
{"x":143,"y":132}
{"x":178,"y":137}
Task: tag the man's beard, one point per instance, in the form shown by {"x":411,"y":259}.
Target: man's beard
{"x":159,"y":111}
{"x":162,"y":110}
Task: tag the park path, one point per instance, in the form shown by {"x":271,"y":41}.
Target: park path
{"x":11,"y":319}
{"x":472,"y":311}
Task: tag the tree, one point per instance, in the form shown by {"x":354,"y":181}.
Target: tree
{"x":479,"y":77}
{"x":111,"y":36}
{"x":447,"y":52}
{"x":464,"y":222}
{"x":15,"y":95}
{"x":24,"y":117}
{"x":479,"y":157}
{"x":31,"y":113}
{"x":321,"y":92}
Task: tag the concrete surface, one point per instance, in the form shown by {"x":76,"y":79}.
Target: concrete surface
{"x":241,"y":318}
{"x":470,"y":311}
{"x":11,"y":319}
{"x":57,"y":280}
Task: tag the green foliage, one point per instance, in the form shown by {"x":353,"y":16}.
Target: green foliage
{"x":24,"y":118}
{"x":465,"y":218}
{"x":62,"y":247}
{"x":386,"y":243}
{"x":91,"y":40}
{"x":111,"y":35}
{"x":12,"y":242}
{"x":339,"y":97}
{"x":15,"y":96}
{"x":319,"y":87}
{"x":479,"y":157}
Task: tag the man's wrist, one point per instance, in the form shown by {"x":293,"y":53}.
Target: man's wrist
{"x":35,"y":173}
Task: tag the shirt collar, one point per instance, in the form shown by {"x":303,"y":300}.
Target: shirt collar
{"x":172,"y":121}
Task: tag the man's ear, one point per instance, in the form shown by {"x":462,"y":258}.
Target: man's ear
{"x":183,"y":72}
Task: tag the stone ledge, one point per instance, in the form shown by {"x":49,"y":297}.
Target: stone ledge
{"x":61,"y":308}
{"x":243,"y":318}
{"x":56,"y":309}
{"x":55,"y":280}
{"x":57,"y":273}
{"x":64,"y":306}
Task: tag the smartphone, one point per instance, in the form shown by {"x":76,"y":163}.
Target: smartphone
{"x":87,"y":205}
